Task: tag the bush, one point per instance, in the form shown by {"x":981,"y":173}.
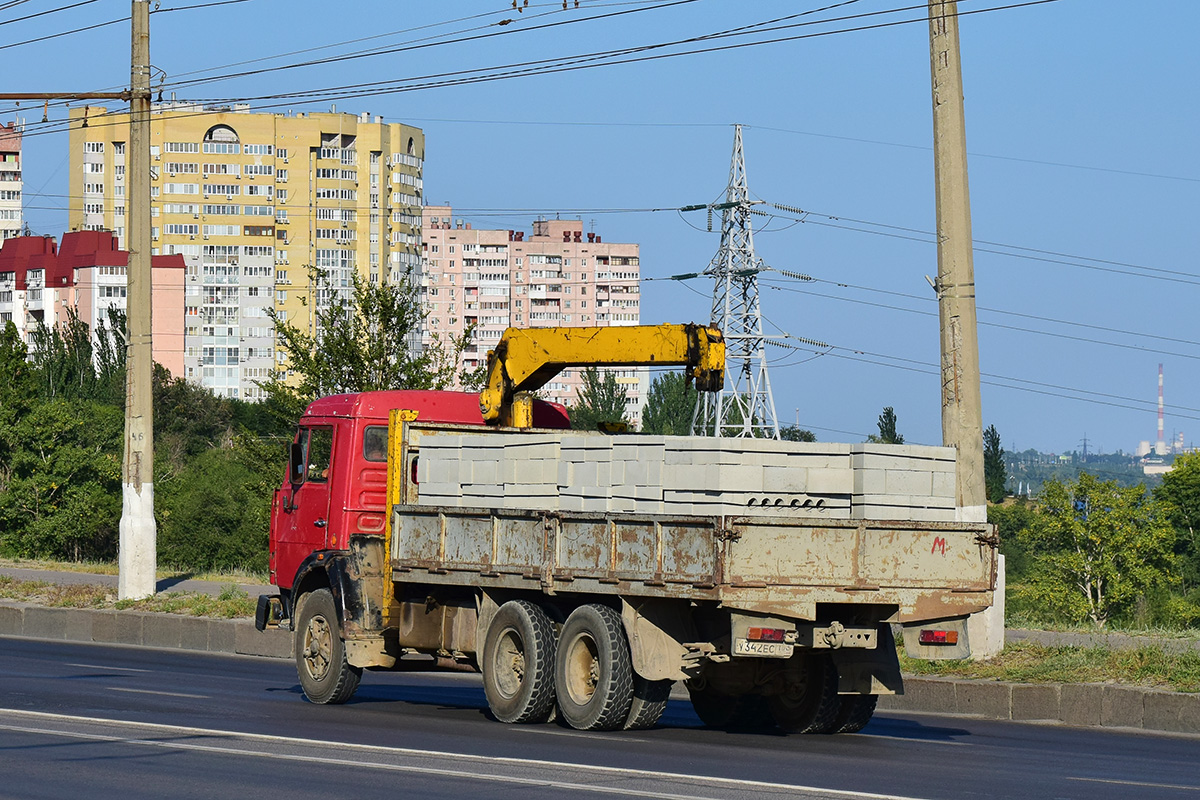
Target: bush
{"x":214,"y":515}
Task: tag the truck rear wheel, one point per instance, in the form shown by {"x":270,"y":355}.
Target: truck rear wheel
{"x":325,"y":675}
{"x":649,"y":703}
{"x":518,"y":663}
{"x":811,"y":704}
{"x":730,"y":712}
{"x":593,"y":675}
{"x":854,"y":713}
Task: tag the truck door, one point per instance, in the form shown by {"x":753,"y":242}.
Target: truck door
{"x":304,"y":523}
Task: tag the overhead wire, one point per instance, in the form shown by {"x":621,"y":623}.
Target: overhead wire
{"x":549,"y":66}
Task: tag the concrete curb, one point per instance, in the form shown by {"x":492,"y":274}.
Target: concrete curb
{"x":1083,"y":704}
{"x":1089,"y":704}
{"x":145,"y":628}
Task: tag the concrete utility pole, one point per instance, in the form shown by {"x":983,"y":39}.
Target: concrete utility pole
{"x":137,"y":557}
{"x":962,"y":412}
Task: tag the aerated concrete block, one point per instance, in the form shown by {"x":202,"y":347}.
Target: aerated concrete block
{"x":909,"y":482}
{"x":831,"y":481}
{"x":943,"y":484}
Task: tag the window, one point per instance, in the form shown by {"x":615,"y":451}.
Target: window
{"x":182,"y":147}
{"x":375,"y":440}
{"x":260,"y":169}
{"x":259,"y":150}
{"x":94,"y":168}
{"x":224,"y":148}
{"x":181,"y":188}
{"x":315,"y":450}
{"x":93,"y":147}
{"x":183,"y":166}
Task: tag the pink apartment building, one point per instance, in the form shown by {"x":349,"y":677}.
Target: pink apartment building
{"x":40,"y":280}
{"x":555,"y":275}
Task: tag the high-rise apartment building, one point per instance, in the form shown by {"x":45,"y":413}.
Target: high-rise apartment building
{"x":254,"y":202}
{"x":557,"y":275}
{"x":11,"y":216}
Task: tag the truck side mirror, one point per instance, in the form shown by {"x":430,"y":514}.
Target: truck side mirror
{"x":296,"y":464}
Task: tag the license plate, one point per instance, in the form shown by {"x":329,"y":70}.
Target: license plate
{"x":745,"y":647}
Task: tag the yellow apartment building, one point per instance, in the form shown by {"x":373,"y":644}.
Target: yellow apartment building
{"x":255,"y":202}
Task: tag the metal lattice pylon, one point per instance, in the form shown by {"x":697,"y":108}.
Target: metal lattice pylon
{"x":745,"y":405}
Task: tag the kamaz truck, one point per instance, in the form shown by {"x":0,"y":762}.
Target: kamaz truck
{"x":584,"y":573}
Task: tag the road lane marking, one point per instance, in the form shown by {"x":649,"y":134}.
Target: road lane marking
{"x":118,"y":669}
{"x":494,"y":761}
{"x":151,"y":691}
{"x":1138,"y":783}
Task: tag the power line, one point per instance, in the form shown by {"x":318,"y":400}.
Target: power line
{"x":1040,"y":162}
{"x":48,"y":11}
{"x":988,"y":324}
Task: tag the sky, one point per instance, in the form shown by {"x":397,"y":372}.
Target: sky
{"x":1081,"y":129}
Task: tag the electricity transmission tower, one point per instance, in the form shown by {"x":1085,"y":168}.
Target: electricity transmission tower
{"x":744,"y":406}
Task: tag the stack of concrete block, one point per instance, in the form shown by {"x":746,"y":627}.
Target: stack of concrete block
{"x":635,"y":475}
{"x":529,"y":471}
{"x":904,"y":482}
{"x":686,"y":475}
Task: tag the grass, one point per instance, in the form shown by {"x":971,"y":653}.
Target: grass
{"x":1026,"y":662}
{"x":110,"y":568}
{"x":232,"y":603}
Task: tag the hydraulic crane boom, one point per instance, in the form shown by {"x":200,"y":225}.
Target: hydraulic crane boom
{"x":526,"y":359}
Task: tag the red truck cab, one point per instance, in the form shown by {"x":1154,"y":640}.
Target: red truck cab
{"x":336,"y":484}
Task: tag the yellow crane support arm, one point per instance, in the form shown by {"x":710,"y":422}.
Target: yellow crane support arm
{"x":527,"y":358}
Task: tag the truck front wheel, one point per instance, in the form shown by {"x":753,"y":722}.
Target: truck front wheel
{"x":518,"y":663}
{"x":325,"y":675}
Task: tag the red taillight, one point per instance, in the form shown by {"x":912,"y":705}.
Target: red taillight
{"x":765,"y":634}
{"x":414,"y":480}
{"x":938,"y":637}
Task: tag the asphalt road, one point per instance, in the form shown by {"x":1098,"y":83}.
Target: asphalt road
{"x":101,"y":721}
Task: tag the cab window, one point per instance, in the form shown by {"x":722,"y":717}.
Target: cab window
{"x":318,"y":454}
{"x":375,"y":440}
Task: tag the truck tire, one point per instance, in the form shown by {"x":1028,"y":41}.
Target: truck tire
{"x":814,"y":705}
{"x":730,"y":712}
{"x":518,"y":663}
{"x":649,"y":703}
{"x":325,"y":675}
{"x":593,"y":675}
{"x":854,"y":713}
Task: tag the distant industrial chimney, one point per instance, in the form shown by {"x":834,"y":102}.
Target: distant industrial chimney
{"x":1160,"y":445}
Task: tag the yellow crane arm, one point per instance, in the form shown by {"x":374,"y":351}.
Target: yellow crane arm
{"x":527,"y":358}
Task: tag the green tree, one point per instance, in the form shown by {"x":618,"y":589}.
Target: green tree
{"x":70,"y":363}
{"x":601,"y":400}
{"x":887,"y":429}
{"x":61,"y":496}
{"x":216,"y":513}
{"x":993,"y":465}
{"x":362,"y":343}
{"x":1180,"y":490}
{"x":794,"y":433}
{"x":1012,"y":522}
{"x":1097,"y":547}
{"x":669,"y":405}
